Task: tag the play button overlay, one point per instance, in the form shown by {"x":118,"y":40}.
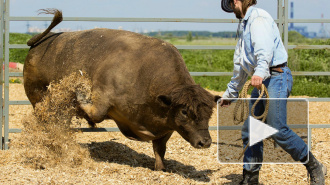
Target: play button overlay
{"x":230,"y":145}
{"x":259,"y":131}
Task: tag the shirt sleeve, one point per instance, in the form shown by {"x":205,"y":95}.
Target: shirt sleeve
{"x":262,"y":40}
{"x":236,"y":83}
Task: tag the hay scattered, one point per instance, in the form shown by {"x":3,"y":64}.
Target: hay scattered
{"x":47,"y":136}
{"x":118,"y":160}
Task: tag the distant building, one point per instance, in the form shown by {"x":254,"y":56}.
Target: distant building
{"x":323,"y":33}
{"x":300,"y":29}
{"x":40,"y":30}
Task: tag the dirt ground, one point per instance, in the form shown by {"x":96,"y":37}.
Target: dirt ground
{"x":115,"y":159}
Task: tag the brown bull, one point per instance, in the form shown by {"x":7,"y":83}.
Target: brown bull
{"x":140,"y":82}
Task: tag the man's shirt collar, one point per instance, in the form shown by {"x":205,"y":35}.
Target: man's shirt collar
{"x":248,"y":13}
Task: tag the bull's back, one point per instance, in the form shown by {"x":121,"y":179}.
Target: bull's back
{"x":110,"y":57}
{"x":59,"y":54}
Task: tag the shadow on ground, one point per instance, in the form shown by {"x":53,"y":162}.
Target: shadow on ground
{"x":113,"y":152}
{"x":235,"y":179}
{"x":233,"y":145}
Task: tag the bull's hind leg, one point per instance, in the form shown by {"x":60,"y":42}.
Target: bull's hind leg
{"x":35,"y":92}
{"x":95,"y":108}
{"x":159,"y":146}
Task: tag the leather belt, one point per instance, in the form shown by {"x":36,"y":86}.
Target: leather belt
{"x":278,"y":68}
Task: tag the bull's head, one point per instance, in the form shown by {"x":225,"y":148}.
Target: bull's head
{"x":190,"y":109}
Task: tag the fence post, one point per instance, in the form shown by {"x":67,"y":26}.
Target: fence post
{"x":309,"y":138}
{"x":286,"y":24}
{"x":1,"y":71}
{"x":280,"y":16}
{"x":6,"y":79}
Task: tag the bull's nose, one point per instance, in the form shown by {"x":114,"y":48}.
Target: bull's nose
{"x":205,"y":143}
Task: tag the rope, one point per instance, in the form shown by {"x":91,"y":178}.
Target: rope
{"x":244,"y":105}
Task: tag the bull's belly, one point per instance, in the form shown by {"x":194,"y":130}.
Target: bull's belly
{"x":133,"y":130}
{"x":138,"y":134}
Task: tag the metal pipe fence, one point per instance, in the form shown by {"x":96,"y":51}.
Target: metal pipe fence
{"x":1,"y":71}
{"x":282,"y":21}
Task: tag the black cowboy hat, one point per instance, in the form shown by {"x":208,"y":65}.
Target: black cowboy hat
{"x":225,"y":5}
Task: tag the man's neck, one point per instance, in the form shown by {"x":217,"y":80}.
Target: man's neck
{"x":243,"y":15}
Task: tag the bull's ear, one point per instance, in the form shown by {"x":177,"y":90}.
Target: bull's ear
{"x":164,"y":100}
{"x":216,"y":98}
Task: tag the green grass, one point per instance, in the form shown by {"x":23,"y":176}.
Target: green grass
{"x":311,"y":60}
{"x":18,"y":55}
{"x":222,"y":61}
{"x":204,"y":41}
{"x":311,"y":86}
{"x":15,"y":80}
{"x":299,"y":60}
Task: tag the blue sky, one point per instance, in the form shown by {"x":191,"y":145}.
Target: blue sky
{"x":309,"y":9}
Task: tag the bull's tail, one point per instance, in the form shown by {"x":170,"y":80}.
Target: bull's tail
{"x":56,"y":20}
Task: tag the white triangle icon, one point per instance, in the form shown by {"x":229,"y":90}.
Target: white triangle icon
{"x":259,"y":131}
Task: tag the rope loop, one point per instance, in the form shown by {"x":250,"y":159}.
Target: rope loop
{"x":243,"y":104}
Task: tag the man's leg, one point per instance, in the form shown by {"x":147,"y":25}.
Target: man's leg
{"x":253,"y":154}
{"x":279,"y":86}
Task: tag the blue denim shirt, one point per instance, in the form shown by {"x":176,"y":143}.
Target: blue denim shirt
{"x":259,"y":47}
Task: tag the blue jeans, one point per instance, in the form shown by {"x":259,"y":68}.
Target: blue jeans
{"x":279,"y":85}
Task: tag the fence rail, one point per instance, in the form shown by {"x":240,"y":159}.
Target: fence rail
{"x":203,"y":47}
{"x":5,"y":18}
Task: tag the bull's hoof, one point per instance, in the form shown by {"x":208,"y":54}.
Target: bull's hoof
{"x":160,"y":167}
{"x":91,"y":124}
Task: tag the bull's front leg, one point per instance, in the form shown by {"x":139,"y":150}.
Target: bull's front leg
{"x":159,"y":146}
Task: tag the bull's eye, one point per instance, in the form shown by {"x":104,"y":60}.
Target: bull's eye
{"x":184,"y":112}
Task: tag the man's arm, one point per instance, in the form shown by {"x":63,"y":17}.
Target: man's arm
{"x":262,"y":38}
{"x":235,"y":85}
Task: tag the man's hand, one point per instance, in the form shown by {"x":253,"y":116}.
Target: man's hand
{"x":256,"y":81}
{"x":225,"y":103}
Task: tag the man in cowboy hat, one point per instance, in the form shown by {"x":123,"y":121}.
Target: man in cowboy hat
{"x":260,"y":53}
